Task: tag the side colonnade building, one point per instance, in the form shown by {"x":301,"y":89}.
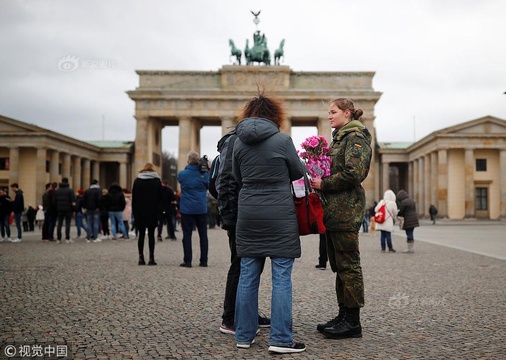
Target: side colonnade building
{"x":33,"y":156}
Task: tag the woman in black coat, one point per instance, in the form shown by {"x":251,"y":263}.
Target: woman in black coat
{"x":146,"y":194}
{"x":407,"y":209}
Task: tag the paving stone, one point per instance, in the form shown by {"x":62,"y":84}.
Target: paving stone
{"x":437,"y":303}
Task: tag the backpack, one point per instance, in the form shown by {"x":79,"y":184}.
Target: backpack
{"x":213,"y":175}
{"x":381,"y":215}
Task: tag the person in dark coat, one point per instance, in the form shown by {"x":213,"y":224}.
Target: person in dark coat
{"x":18,"y":206}
{"x":167,"y":211}
{"x":407,"y":209}
{"x":64,"y":201}
{"x":193,"y":207}
{"x":146,"y":194}
{"x":433,"y":213}
{"x":92,"y":200}
{"x":227,"y":191}
{"x":5,"y":212}
{"x":115,"y":207}
{"x":30,"y":216}
{"x":264,"y":165}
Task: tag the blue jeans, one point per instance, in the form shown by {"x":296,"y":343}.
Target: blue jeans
{"x":409,"y":234}
{"x":116,"y":218}
{"x":67,"y":216}
{"x":246,"y":306}
{"x":386,"y":236}
{"x":188,"y":221}
{"x":17,"y":219}
{"x":93,"y":220}
{"x":5,"y":228}
{"x":80,"y":223}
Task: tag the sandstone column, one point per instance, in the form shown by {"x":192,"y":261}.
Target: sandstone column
{"x":502,"y":167}
{"x":95,"y":171}
{"x":227,"y":124}
{"x":426,"y":184}
{"x":123,"y":174}
{"x":385,"y":178}
{"x":421,"y":186}
{"x":442,"y":159}
{"x":469,"y":183}
{"x":65,"y":168}
{"x":185,"y":141}
{"x":14,"y":166}
{"x":86,"y":174}
{"x":433,"y":178}
{"x":411,"y":178}
{"x":40,"y":173}
{"x":54,"y":166}
{"x":324,"y":129}
{"x":142,"y":155}
{"x":416,"y":181}
{"x":76,"y":176}
{"x":287,"y":127}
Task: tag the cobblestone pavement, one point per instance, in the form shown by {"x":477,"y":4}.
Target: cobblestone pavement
{"x":439,"y":303}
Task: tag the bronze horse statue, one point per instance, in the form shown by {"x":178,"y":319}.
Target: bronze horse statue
{"x":279,"y":53}
{"x":234,"y":52}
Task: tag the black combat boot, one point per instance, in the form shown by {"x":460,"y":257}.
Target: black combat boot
{"x":141,"y":260}
{"x":334,"y":321}
{"x":349,"y":327}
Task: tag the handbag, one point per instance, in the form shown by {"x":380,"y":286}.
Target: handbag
{"x":309,"y":211}
{"x":401,"y":222}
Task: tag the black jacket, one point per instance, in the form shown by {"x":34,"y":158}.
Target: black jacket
{"x":146,"y":193}
{"x":226,"y":185}
{"x":407,"y":209}
{"x":116,"y":199}
{"x":64,"y":198}
{"x":19,"y":202}
{"x":5,"y":206}
{"x":92,"y":198}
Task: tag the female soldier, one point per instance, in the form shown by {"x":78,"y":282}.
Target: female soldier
{"x":343,"y":213}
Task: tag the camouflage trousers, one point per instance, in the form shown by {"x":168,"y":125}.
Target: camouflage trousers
{"x":344,"y":259}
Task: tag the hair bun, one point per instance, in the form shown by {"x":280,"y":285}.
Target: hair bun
{"x":357,"y":114}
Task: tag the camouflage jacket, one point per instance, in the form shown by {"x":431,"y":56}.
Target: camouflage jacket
{"x":345,"y":197}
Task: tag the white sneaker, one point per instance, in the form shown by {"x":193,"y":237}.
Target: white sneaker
{"x":3,"y":239}
{"x":88,"y":240}
{"x":245,"y":346}
{"x":97,"y":240}
{"x":69,"y":241}
{"x":15,"y":240}
{"x":58,"y":241}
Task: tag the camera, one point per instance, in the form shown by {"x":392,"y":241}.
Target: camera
{"x":204,"y":164}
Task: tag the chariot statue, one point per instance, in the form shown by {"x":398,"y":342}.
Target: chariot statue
{"x":259,"y":52}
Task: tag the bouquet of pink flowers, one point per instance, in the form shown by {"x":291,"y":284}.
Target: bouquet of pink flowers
{"x":316,"y":156}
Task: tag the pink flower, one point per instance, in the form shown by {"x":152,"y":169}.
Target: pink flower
{"x":316,"y":156}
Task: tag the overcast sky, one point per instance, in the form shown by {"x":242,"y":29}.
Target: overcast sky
{"x":437,"y":62}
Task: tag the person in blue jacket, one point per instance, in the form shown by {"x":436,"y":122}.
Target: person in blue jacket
{"x":193,"y":207}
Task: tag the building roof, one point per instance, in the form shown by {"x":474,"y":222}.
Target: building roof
{"x":109,"y":144}
{"x":395,"y":145}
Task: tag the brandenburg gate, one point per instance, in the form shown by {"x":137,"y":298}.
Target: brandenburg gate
{"x":193,"y":99}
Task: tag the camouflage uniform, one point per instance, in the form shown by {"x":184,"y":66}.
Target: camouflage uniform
{"x":345,"y":207}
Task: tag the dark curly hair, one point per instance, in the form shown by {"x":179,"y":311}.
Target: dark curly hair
{"x":262,"y":106}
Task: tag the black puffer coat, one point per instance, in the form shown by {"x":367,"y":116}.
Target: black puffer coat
{"x":407,"y":209}
{"x":264,"y":164}
{"x":64,"y":198}
{"x":146,"y":194}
